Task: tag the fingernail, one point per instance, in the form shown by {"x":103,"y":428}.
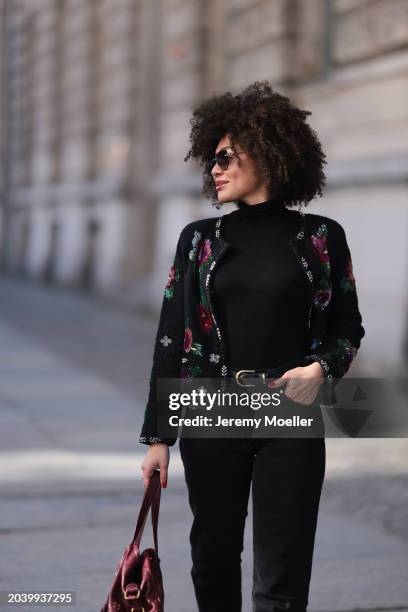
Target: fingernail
{"x":271,"y":384}
{"x":165,"y":484}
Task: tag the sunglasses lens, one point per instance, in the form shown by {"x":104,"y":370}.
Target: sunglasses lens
{"x":221,"y":159}
{"x":211,"y":164}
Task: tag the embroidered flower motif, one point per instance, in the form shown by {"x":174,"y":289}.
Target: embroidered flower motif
{"x":204,"y":252}
{"x":196,"y":347}
{"x":319,"y":242}
{"x":205,"y":318}
{"x":194,"y":241}
{"x":188,"y":339}
{"x":346,"y":351}
{"x":214,"y":358}
{"x":348,"y":282}
{"x":322,"y":297}
{"x":166,"y":341}
{"x":188,"y":344}
{"x":323,"y":293}
{"x":174,"y":276}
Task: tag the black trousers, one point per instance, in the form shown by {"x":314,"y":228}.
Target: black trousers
{"x":286,"y":476}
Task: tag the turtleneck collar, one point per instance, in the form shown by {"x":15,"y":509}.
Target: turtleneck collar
{"x":272,"y":207}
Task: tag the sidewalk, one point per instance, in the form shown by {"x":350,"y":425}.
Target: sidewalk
{"x":71,"y":408}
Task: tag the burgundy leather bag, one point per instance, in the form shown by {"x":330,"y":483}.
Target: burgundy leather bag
{"x":138,"y":582}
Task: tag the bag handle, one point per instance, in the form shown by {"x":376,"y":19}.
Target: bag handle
{"x":151,"y":499}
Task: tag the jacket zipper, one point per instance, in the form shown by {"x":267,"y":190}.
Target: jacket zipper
{"x":310,"y":278}
{"x":224,"y":369}
{"x":309,"y":275}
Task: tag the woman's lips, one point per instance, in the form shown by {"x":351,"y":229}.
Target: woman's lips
{"x":221,"y":185}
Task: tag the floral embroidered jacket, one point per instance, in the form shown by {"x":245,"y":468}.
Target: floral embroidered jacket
{"x":189,"y":340}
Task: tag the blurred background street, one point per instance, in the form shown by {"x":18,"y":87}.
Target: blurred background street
{"x":73,"y":378}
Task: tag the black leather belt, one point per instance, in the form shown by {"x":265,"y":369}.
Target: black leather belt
{"x":239,"y":376}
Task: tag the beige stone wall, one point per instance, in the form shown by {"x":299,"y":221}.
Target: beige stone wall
{"x":360,"y":113}
{"x":72,"y":124}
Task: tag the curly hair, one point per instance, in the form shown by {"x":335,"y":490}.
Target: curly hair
{"x":286,"y":150}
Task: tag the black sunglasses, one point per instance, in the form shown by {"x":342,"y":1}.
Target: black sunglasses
{"x":222,"y":158}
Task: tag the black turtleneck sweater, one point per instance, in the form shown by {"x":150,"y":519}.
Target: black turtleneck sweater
{"x":260,"y":288}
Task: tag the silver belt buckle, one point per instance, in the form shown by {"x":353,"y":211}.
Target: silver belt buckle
{"x":237,"y":378}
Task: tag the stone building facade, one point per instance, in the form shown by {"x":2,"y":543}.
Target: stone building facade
{"x":96,"y":97}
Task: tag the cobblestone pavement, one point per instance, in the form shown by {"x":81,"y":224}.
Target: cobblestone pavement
{"x":73,"y":381}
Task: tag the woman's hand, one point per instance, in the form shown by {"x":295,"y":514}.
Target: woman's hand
{"x":157,"y":456}
{"x":302,"y":383}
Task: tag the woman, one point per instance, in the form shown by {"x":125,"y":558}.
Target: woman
{"x":265,"y":292}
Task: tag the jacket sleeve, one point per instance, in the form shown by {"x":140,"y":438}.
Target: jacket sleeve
{"x":344,"y":328}
{"x":168,"y":347}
